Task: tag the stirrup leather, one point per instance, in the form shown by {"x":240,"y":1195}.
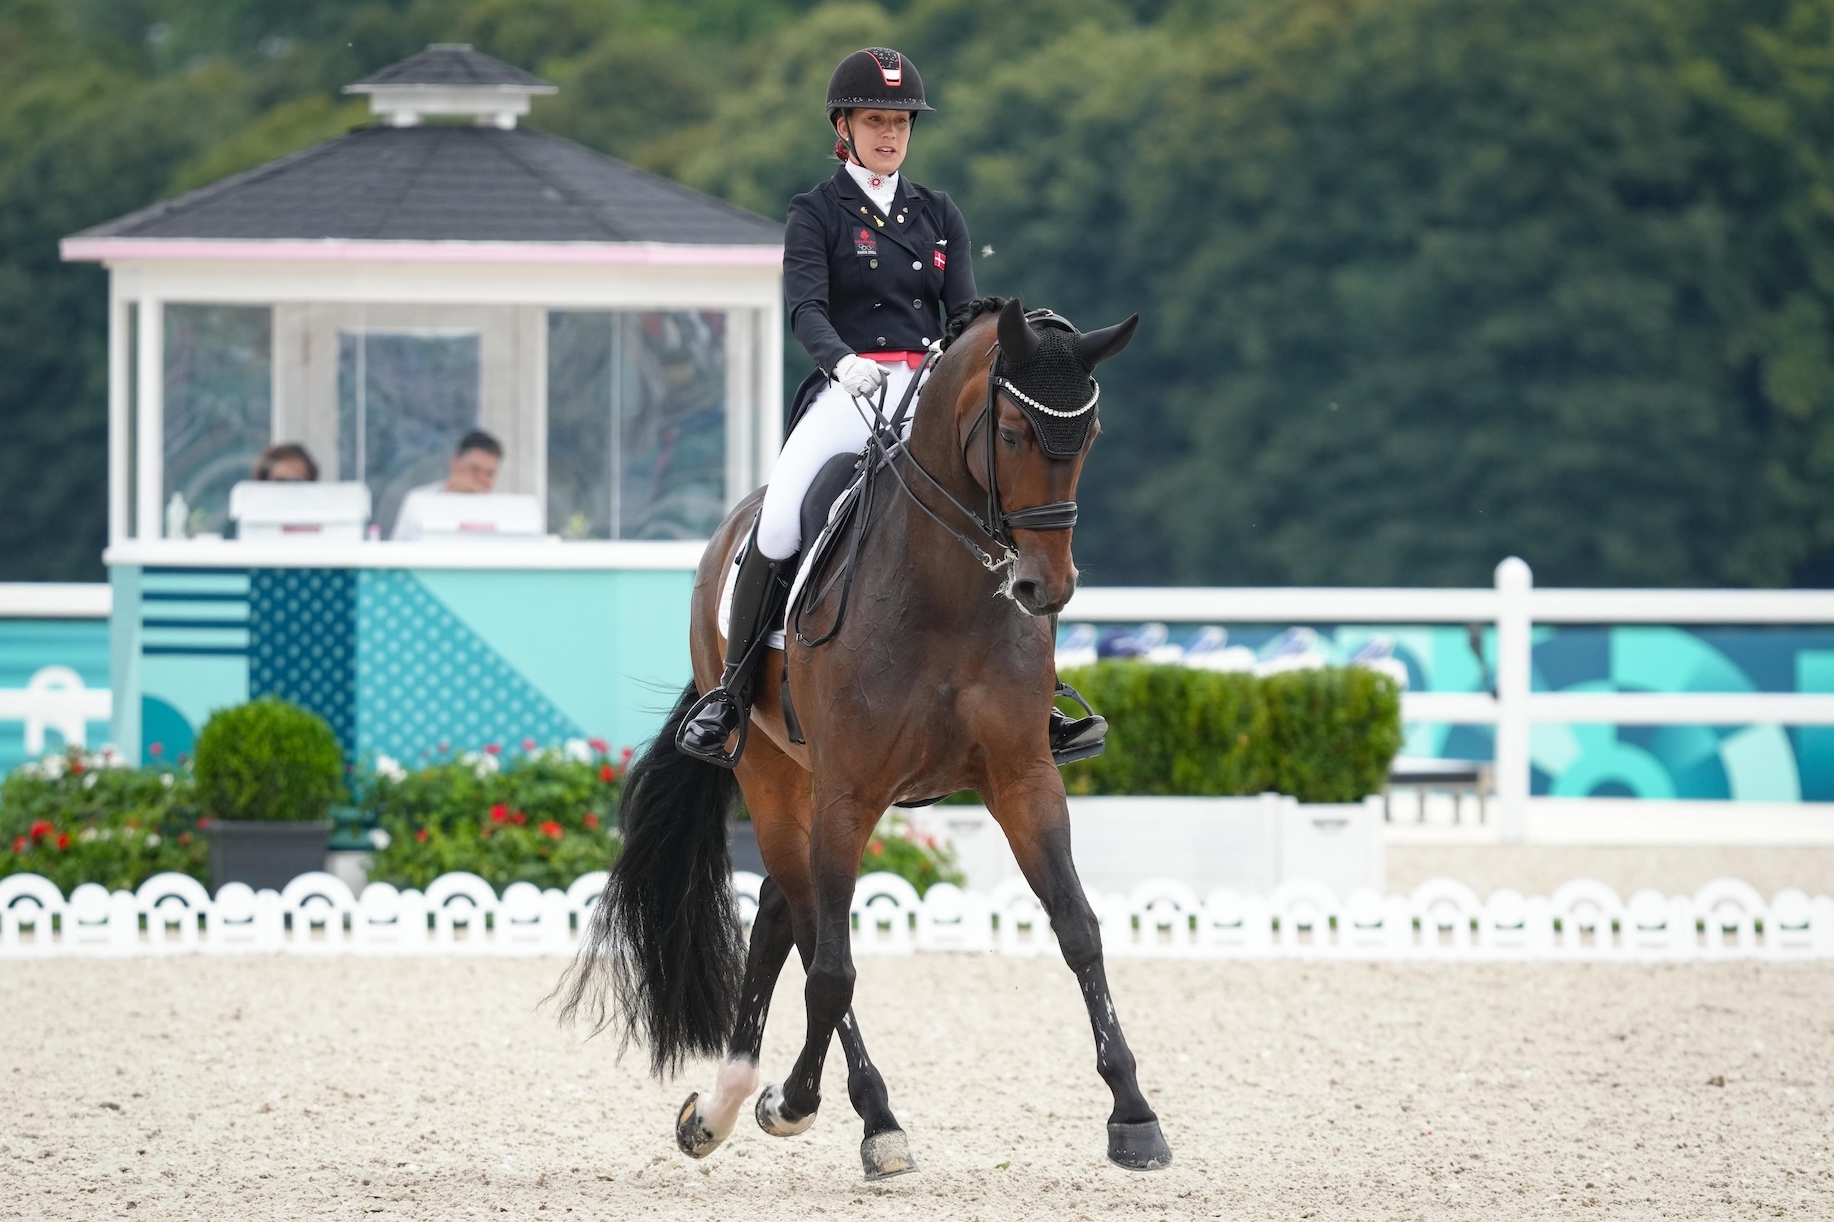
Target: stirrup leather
{"x":758,"y":592}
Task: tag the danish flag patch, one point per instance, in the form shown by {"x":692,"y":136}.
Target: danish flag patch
{"x":940,"y":260}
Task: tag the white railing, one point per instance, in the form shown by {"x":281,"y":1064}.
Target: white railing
{"x":1513,"y":607}
{"x":55,"y":600}
{"x":458,"y":914}
{"x":54,"y":698}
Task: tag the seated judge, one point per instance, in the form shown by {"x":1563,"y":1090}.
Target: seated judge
{"x":287,"y":462}
{"x":473,"y":469}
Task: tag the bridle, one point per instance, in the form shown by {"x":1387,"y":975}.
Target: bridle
{"x":886,"y":444}
{"x":998,"y":523}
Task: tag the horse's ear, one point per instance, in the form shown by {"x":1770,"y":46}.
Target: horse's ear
{"x":1098,"y":346}
{"x":1017,"y":339}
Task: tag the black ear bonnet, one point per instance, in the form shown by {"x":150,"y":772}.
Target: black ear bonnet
{"x":1053,"y":385}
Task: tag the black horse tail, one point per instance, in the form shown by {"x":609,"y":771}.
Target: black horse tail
{"x":663,"y":958}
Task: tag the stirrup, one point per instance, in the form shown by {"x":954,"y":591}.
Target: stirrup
{"x":716,"y":755}
{"x":1074,"y":752}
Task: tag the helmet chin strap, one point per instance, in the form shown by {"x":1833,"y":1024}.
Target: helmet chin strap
{"x":852,"y":151}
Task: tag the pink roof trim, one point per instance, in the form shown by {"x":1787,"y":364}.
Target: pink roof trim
{"x":344,"y":250}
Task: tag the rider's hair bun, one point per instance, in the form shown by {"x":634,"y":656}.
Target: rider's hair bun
{"x":840,"y":150}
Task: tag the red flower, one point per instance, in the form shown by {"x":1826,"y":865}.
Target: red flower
{"x":492,"y":749}
{"x":591,"y":821}
{"x":19,"y":843}
{"x":76,"y":767}
{"x":550,"y":828}
{"x":63,"y":840}
{"x":184,"y":837}
{"x":421,"y":834}
{"x":156,"y":749}
{"x":203,"y":823}
{"x":874,"y":848}
{"x":607,"y":773}
{"x":599,"y":745}
{"x":499,"y":813}
{"x":628,"y":753}
{"x":528,"y":744}
{"x":518,"y":818}
{"x":39,"y":828}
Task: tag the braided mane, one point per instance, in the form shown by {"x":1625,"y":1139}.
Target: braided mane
{"x":963,"y":316}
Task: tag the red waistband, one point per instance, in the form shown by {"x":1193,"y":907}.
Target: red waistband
{"x":910,"y":359}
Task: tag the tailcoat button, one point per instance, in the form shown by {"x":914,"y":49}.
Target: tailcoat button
{"x":916,"y":303}
{"x":872,"y":263}
{"x":881,"y":339}
{"x":916,"y":267}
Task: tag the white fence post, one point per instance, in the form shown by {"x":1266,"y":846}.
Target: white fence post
{"x":1514,"y":661}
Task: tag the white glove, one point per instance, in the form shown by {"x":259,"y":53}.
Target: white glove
{"x":860,"y":376}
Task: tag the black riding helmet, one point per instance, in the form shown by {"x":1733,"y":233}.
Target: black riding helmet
{"x":875,"y":79}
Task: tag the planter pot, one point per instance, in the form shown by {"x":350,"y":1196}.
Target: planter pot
{"x":1339,"y":845}
{"x":265,"y":854}
{"x":1251,"y":845}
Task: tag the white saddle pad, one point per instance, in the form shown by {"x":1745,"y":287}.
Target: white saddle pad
{"x":809,"y":548}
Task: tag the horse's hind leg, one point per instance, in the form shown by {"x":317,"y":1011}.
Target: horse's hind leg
{"x":838,"y":836}
{"x":703,"y":1124}
{"x":1037,"y":824}
{"x":884,"y":1149}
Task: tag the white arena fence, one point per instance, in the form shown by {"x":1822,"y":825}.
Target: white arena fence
{"x":460,"y":914}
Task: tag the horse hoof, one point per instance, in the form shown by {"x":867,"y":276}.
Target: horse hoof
{"x":693,"y":1134}
{"x":770,"y":1114}
{"x":887,"y":1154}
{"x":1138,"y":1147}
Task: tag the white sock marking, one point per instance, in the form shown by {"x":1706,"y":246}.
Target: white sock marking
{"x":737,"y":1079}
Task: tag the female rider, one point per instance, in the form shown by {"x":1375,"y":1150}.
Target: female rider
{"x":872,"y":265}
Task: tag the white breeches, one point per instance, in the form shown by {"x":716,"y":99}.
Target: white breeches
{"x":834,"y":424}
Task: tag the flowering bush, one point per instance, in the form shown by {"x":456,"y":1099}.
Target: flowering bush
{"x":86,"y":817}
{"x":898,"y":848}
{"x":545,"y":817}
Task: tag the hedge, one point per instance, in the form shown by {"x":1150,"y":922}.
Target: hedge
{"x":1326,"y":735}
{"x":268,"y":760}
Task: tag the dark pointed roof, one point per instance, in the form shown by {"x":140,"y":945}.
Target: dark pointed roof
{"x":450,"y":64}
{"x":448,"y":183}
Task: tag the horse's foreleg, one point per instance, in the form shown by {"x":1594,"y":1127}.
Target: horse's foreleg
{"x":1037,"y":824}
{"x":884,"y":1151}
{"x":703,"y":1124}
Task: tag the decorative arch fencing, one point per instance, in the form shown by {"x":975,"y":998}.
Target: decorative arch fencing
{"x":460,"y":914}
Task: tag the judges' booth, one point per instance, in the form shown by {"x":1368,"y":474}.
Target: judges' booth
{"x":373,"y":299}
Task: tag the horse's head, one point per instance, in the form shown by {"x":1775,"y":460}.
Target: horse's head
{"x":1025,"y":419}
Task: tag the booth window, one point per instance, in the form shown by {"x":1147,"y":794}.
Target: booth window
{"x":404,"y":398}
{"x":636,"y":424}
{"x":218,"y":405}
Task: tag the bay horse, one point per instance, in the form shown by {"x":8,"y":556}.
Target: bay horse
{"x":940,"y":678}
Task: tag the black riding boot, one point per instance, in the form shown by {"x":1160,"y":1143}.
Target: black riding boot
{"x":1078,"y":738}
{"x":757,"y":595}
